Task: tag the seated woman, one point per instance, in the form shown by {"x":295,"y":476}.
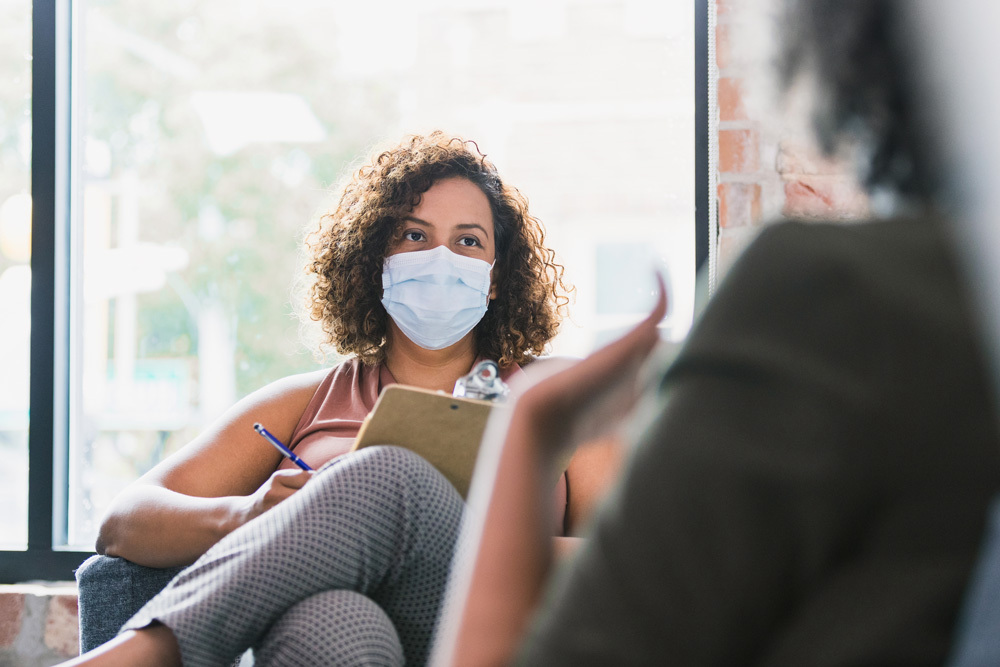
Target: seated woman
{"x":428,"y":263}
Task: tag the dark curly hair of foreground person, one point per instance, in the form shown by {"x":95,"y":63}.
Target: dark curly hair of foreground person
{"x":347,"y":249}
{"x":864,"y":54}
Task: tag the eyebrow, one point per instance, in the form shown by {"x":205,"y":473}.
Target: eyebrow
{"x":463,"y":225}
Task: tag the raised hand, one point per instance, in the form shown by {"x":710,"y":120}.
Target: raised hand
{"x":584,"y":400}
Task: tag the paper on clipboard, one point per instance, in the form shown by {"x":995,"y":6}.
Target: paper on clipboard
{"x":443,"y":429}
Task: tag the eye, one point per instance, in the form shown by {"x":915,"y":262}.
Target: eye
{"x":469,"y":242}
{"x":414,"y":235}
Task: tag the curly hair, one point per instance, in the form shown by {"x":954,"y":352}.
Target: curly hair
{"x":347,"y":249}
{"x":862,"y":56}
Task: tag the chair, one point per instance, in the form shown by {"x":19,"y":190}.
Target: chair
{"x":111,"y":591}
{"x":978,"y":633}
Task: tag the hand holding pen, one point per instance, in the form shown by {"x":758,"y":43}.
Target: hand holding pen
{"x":278,"y":487}
{"x":281,"y":447}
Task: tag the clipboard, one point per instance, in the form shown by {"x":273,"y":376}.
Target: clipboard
{"x":445,"y":430}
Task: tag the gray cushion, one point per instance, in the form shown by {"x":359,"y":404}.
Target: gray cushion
{"x":111,"y":590}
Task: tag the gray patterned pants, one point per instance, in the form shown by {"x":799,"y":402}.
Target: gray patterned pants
{"x":351,"y":570}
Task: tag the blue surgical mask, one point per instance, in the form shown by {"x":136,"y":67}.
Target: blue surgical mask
{"x":435,"y":296}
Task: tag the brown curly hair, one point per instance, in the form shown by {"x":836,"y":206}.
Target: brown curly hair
{"x":347,"y":250}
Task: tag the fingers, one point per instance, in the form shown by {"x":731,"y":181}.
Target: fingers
{"x":621,"y":357}
{"x":644,"y":335}
{"x":292,"y":479}
{"x":660,"y":307}
{"x":588,"y":398}
{"x":283,"y":484}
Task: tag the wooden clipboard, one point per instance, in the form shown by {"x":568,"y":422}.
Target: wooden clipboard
{"x":443,"y":429}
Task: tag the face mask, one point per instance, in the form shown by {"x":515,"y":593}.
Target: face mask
{"x":435,"y":296}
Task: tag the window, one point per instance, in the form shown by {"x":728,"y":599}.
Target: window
{"x":203,"y":140}
{"x":15,"y":270}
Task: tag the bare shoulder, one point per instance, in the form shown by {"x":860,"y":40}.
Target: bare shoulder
{"x":290,"y":389}
{"x":550,"y":359}
{"x":539,"y":367}
{"x":278,"y":404}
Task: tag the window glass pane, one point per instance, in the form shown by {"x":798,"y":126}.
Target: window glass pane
{"x":586,"y":106}
{"x":210,"y":132}
{"x":15,"y":272}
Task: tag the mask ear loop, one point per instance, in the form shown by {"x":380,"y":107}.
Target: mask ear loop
{"x":493,"y":285}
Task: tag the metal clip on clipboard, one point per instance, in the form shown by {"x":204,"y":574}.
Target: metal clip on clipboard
{"x":483,"y":383}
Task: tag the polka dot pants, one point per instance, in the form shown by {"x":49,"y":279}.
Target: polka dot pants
{"x":351,"y":570}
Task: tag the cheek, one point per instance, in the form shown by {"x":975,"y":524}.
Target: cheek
{"x":394,"y":246}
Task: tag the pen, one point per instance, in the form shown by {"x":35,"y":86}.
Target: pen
{"x":285,"y":451}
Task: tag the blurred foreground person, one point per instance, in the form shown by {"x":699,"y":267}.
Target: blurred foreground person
{"x":813,"y":485}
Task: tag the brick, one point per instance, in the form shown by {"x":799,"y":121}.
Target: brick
{"x":730,"y":99}
{"x":833,"y":197}
{"x":723,"y":50}
{"x":62,"y":625}
{"x":739,"y":151}
{"x":11,"y":612}
{"x":739,"y":204}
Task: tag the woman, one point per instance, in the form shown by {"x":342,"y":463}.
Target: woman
{"x":427,"y":264}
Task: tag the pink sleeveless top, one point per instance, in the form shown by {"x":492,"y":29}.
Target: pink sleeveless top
{"x":344,"y":398}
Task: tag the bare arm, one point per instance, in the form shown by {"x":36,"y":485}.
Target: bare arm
{"x":494,"y":595}
{"x":220,"y":480}
{"x":592,"y":471}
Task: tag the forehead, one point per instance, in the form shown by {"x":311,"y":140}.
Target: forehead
{"x":453,"y":201}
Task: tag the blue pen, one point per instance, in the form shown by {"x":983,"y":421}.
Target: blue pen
{"x":285,"y":451}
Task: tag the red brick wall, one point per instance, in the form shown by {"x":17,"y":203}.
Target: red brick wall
{"x":39,"y":623}
{"x":765,"y":171}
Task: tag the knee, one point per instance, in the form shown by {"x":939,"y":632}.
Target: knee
{"x":336,"y":627}
{"x":384,"y":458}
{"x":383,"y":471}
{"x":392,"y":485}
